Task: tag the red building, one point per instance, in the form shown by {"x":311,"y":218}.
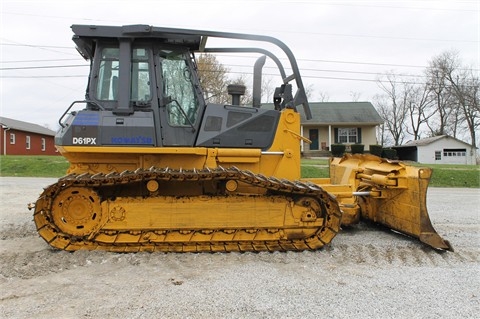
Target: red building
{"x":22,"y":138}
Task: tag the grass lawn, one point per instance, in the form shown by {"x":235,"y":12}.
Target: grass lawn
{"x":442,"y":176}
{"x":33,"y":166}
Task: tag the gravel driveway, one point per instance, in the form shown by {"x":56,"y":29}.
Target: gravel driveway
{"x":365,"y":272}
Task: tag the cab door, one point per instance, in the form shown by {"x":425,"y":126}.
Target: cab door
{"x":180,"y":99}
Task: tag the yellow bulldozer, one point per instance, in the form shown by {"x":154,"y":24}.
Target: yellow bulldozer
{"x":154,"y":167}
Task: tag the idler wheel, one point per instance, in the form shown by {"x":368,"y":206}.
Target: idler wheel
{"x":77,"y":211}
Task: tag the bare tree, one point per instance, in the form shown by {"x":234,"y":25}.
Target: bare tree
{"x":355,"y":96}
{"x":466,"y":91}
{"x":446,"y":120}
{"x":462,"y":87}
{"x":309,"y":90}
{"x":267,"y":89}
{"x":420,"y":108}
{"x":392,"y":106}
{"x":247,"y":98}
{"x":323,"y":97}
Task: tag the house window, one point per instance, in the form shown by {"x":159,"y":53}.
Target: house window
{"x":438,"y":155}
{"x":27,"y":140}
{"x":43,"y":145}
{"x":12,"y":138}
{"x":347,"y":135}
{"x":455,"y":152}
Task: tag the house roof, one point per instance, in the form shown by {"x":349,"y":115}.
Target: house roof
{"x":25,"y":126}
{"x":342,"y":113}
{"x":339,"y":113}
{"x":428,"y":140}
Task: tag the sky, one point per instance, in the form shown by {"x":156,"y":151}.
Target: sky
{"x":342,"y":47}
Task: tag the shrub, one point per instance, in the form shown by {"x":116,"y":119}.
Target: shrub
{"x":338,"y":150}
{"x":357,"y":148}
{"x":389,"y":153}
{"x":376,"y":150}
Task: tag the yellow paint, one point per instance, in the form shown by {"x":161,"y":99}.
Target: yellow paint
{"x":281,"y":160}
{"x":397,"y":197}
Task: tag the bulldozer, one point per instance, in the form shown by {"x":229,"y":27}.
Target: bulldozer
{"x":154,"y":167}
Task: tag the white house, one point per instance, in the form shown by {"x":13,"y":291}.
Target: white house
{"x":441,"y":149}
{"x":337,"y":123}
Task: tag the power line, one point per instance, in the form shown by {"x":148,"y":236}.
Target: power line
{"x":41,"y":47}
{"x":317,"y":33}
{"x":36,"y":46}
{"x":365,"y":63}
{"x":46,"y":47}
{"x":46,"y":60}
{"x":345,"y":79}
{"x":343,"y":62}
{"x":231,"y":72}
{"x":45,"y":67}
{"x":332,"y":61}
{"x":244,"y":56}
{"x":329,"y":70}
{"x":228,"y":65}
{"x":76,"y":76}
{"x":234,"y":65}
{"x":236,"y":72}
{"x":305,"y":77}
{"x":40,"y":76}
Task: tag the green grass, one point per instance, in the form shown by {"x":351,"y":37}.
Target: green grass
{"x":33,"y":166}
{"x":454,"y":175}
{"x":314,"y":168}
{"x":443,"y":175}
{"x":56,"y":166}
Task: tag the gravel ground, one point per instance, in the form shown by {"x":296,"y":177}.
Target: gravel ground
{"x":365,"y":273}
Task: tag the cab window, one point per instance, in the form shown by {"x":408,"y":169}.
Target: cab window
{"x":107,"y":86}
{"x":178,"y":89}
{"x":140,"y":90}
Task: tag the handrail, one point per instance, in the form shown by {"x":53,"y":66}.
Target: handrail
{"x":73,"y":103}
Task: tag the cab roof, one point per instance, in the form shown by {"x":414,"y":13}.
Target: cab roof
{"x":85,"y":36}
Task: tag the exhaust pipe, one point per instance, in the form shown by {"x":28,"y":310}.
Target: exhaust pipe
{"x":257,"y":80}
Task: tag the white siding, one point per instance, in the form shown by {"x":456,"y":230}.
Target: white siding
{"x":426,"y":153}
{"x":369,"y":136}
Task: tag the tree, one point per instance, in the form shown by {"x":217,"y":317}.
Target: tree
{"x":448,"y":103}
{"x":213,"y":77}
{"x":355,"y":96}
{"x":420,"y":108}
{"x":247,"y":98}
{"x":393,"y":108}
{"x":441,"y":96}
{"x":323,"y":97}
{"x":461,"y":84}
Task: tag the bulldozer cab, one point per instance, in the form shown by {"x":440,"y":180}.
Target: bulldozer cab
{"x":144,"y":90}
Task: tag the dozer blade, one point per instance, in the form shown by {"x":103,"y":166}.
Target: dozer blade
{"x":390,"y":193}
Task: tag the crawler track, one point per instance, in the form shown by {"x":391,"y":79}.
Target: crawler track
{"x":86,"y":212}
